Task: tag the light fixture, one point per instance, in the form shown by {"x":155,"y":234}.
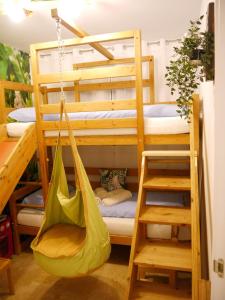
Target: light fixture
{"x":14,"y":10}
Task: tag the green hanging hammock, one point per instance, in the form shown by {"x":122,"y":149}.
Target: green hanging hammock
{"x":73,"y":239}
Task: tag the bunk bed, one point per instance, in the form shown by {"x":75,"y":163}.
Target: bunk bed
{"x":131,"y":130}
{"x":16,"y":151}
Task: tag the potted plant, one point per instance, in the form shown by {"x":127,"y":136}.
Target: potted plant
{"x":192,"y":63}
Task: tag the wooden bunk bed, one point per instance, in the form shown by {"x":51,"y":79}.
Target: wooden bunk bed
{"x":16,"y":152}
{"x":95,"y":70}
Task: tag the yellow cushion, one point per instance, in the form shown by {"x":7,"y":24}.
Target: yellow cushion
{"x":61,"y":240}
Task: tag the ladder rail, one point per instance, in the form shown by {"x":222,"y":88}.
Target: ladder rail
{"x":195,"y":212}
{"x":131,"y":272}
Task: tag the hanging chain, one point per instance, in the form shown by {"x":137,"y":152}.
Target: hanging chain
{"x":60,"y":55}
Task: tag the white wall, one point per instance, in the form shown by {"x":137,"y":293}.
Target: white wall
{"x":218,"y":249}
{"x":208,"y":101}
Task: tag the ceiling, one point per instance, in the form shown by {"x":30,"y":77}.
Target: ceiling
{"x":156,"y":18}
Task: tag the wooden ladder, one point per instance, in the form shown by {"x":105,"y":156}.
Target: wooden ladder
{"x":172,"y":255}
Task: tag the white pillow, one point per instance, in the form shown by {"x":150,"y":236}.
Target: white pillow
{"x":116,"y":196}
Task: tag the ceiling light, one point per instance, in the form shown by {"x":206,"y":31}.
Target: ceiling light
{"x":14,"y":10}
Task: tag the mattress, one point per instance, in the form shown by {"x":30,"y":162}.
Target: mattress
{"x":158,"y":119}
{"x":116,"y":226}
{"x":119,"y":218}
{"x":162,"y":125}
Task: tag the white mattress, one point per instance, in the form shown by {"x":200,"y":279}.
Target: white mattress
{"x":116,"y":226}
{"x":162,"y":125}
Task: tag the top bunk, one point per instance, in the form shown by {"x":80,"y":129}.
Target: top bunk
{"x":111,"y":122}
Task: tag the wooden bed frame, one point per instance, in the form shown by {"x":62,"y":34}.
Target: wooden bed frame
{"x":95,"y":70}
{"x":15,"y":153}
{"x":131,"y":67}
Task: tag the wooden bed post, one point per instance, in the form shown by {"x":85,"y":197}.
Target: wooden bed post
{"x":40,"y":134}
{"x":139,"y":97}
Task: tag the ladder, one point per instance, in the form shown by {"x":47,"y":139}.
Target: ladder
{"x":167,"y":255}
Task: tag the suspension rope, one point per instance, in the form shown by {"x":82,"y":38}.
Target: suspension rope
{"x":61,"y":53}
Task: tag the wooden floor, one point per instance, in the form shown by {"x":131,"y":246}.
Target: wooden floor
{"x":32,"y":283}
{"x":107,"y":283}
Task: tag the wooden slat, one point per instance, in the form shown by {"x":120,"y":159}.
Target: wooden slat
{"x":167,"y":139}
{"x":86,"y":87}
{"x":95,"y":73}
{"x":108,"y":37}
{"x":165,"y":215}
{"x":120,"y":239}
{"x":170,"y":160}
{"x":166,"y":153}
{"x":110,"y":62}
{"x":95,"y":140}
{"x":90,"y":124}
{"x":172,"y":256}
{"x":25,"y":229}
{"x":81,"y":33}
{"x":159,"y":292}
{"x":119,"y":140}
{"x":16,"y":86}
{"x":89,"y":106}
{"x":174,"y":183}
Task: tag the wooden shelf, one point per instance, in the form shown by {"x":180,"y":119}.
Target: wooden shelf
{"x":159,"y":292}
{"x":174,"y":183}
{"x":173,"y":256}
{"x":165,"y":215}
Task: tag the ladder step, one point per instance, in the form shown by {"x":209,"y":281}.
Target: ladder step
{"x":180,"y":183}
{"x":172,"y":256}
{"x":165,"y":215}
{"x":159,"y":292}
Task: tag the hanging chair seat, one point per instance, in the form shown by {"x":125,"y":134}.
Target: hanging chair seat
{"x":61,"y":240}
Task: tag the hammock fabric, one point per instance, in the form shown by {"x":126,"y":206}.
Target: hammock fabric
{"x":73,"y":239}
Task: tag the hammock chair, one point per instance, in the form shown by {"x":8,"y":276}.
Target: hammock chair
{"x":73,"y":239}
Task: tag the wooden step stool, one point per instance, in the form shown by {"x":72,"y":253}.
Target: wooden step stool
{"x":5,"y":265}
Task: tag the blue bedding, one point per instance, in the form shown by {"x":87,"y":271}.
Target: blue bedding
{"x":127,"y":208}
{"x":27,"y":114}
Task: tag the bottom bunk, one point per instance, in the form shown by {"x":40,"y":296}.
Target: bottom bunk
{"x":27,"y":215}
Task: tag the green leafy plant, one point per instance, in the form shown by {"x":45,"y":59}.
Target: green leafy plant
{"x":14,"y":66}
{"x":184,"y":75}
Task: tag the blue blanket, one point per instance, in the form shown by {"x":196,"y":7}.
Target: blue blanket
{"x":127,"y":208}
{"x":27,"y":114}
